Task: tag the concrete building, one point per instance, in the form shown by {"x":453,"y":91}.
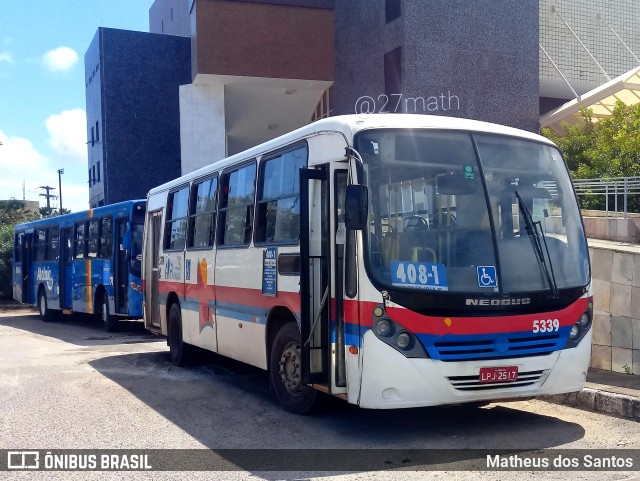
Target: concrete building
{"x":259,"y":68}
{"x":440,"y":57}
{"x":133,"y":122}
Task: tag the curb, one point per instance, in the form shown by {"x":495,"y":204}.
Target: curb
{"x":599,"y":401}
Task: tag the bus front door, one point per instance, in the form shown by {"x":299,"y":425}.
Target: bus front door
{"x":121,"y":281}
{"x":315,"y":267}
{"x":25,"y":255}
{"x":65,"y":261}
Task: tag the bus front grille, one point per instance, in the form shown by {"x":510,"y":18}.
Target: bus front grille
{"x":496,"y":347}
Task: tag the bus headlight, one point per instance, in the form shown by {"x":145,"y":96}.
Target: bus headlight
{"x":584,"y":320}
{"x":395,"y":335}
{"x":575,"y":331}
{"x":581,"y":327}
{"x":403,"y":340}
{"x":383,"y":327}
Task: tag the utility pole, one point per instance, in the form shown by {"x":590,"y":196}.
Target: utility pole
{"x":47,"y":195}
{"x":60,"y":172}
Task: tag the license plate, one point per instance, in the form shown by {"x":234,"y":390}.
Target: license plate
{"x":498,"y":374}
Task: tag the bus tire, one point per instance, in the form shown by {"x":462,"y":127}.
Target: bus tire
{"x":182,"y":354}
{"x":109,"y":321}
{"x":284,"y":371}
{"x":46,"y":314}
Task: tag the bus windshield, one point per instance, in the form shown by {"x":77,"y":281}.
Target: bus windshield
{"x":447,"y":213}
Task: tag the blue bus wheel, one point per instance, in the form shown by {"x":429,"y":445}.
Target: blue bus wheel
{"x":46,"y":314}
{"x":109,"y":321}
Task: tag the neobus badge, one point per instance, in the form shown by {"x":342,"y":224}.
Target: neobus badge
{"x":498,"y":302}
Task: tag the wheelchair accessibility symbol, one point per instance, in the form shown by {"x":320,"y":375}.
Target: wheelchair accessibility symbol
{"x":487,"y":276}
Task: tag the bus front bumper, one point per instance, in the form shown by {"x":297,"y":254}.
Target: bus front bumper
{"x":391,"y":380}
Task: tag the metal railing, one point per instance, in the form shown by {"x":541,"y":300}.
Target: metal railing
{"x":617,"y":190}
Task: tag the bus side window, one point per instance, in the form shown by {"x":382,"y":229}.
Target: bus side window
{"x":92,"y":238}
{"x":53,"y":244}
{"x":106,"y":236}
{"x":176,"y":226}
{"x":40,"y":245}
{"x":79,"y":240}
{"x":278,"y":216}
{"x":202,"y":212}
{"x":236,"y":206}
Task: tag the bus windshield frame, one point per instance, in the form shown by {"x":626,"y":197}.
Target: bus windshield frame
{"x":448,"y":219}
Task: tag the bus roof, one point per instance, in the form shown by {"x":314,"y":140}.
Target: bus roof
{"x":348,"y":126}
{"x":69,"y":219}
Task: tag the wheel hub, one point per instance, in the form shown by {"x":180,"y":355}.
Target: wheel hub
{"x":290,"y":369}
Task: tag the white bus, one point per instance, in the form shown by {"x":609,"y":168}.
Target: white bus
{"x":393,"y":261}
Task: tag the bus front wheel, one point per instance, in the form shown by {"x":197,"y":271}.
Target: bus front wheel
{"x":109,"y":321}
{"x":182,"y":354}
{"x":285,"y":372}
{"x":46,"y":314}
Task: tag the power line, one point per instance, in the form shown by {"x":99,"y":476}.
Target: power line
{"x":48,"y":196}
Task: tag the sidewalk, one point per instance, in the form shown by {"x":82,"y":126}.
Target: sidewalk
{"x":605,"y":392}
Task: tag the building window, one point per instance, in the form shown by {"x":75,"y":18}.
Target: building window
{"x":176,"y":226}
{"x":90,"y":178}
{"x":93,"y":174}
{"x":97,"y":171}
{"x":97,"y":132}
{"x":392,"y":9}
{"x":236,"y":206}
{"x":393,"y":73}
{"x":279,"y":201}
{"x":202,"y":216}
{"x":92,"y":137}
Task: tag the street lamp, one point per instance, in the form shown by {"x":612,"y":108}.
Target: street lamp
{"x":60,"y":172}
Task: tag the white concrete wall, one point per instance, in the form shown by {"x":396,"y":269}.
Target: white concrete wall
{"x":202,"y":125}
{"x":616,"y":298}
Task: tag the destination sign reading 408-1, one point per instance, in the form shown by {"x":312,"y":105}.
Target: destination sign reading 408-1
{"x":421,"y":275}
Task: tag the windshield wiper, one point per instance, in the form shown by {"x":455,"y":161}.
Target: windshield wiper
{"x":535,"y":235}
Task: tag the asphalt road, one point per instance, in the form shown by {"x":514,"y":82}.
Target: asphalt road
{"x":69,"y":385}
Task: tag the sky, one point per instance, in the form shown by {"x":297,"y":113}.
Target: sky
{"x":42,"y":91}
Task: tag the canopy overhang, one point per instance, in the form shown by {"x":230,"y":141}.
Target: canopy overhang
{"x":601,"y":101}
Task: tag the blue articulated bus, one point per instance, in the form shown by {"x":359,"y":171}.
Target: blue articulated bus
{"x":85,"y":262}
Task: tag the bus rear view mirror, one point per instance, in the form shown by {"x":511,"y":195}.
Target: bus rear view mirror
{"x":355,"y":207}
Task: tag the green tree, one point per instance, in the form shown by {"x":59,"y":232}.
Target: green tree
{"x":10,"y":215}
{"x":605,"y":149}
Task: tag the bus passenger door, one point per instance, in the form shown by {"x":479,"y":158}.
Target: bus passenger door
{"x":121,"y":264}
{"x":151,"y":268}
{"x":25,"y":254}
{"x":315,"y":266}
{"x":65,"y":261}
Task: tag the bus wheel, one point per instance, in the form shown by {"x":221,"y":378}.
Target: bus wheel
{"x":109,"y":321}
{"x":46,"y":314}
{"x":285,"y":373}
{"x":182,"y":354}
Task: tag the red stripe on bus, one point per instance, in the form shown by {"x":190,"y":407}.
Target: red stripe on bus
{"x":441,"y":326}
{"x":234,"y":295}
{"x":413,"y":321}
